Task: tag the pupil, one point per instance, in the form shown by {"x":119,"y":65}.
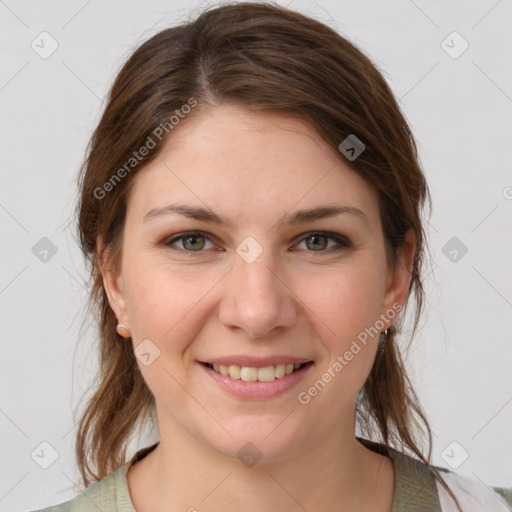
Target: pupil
{"x":193,"y":238}
{"x":316,"y":237}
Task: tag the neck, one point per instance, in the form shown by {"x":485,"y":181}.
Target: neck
{"x":181,"y":473}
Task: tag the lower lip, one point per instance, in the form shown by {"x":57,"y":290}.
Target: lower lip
{"x":257,"y":390}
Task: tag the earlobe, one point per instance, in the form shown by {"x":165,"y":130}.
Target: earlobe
{"x":400,"y":277}
{"x":114,"y":286}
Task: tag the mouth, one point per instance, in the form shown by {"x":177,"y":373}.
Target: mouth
{"x":267,"y":373}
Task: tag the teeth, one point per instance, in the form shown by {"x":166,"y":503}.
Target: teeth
{"x":266,"y":374}
{"x":250,"y":374}
{"x":234,"y":371}
{"x":280,"y":370}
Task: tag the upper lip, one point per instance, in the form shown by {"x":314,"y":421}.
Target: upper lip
{"x":256,"y":362}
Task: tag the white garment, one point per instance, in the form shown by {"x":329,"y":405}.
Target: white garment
{"x":473,"y":495}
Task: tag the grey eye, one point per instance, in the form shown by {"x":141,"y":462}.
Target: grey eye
{"x":318,"y":242}
{"x":190,"y":242}
{"x":193,"y":242}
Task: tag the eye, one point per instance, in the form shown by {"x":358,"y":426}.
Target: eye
{"x":319,"y":241}
{"x":193,"y":241}
{"x":316,"y":241}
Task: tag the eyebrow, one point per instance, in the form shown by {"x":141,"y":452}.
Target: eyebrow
{"x":298,"y":217}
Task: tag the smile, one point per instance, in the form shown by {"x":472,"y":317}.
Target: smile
{"x":256,"y":378}
{"x":253,"y":374}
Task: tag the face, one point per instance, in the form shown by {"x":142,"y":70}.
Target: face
{"x":264,"y":289}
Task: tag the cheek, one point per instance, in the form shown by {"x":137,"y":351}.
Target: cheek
{"x":345,"y":311}
{"x":165,"y":307}
{"x":345,"y":302}
{"x":164,"y":301}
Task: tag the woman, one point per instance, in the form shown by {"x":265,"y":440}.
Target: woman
{"x":251,"y":208}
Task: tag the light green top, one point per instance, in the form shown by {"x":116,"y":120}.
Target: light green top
{"x":415,"y":487}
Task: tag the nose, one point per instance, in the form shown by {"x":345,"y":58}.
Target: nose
{"x":257,"y":299}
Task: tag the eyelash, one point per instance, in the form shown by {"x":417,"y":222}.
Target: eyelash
{"x":343,"y":243}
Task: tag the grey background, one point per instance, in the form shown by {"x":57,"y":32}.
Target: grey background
{"x":460,"y":110}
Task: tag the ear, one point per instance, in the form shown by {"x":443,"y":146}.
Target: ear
{"x":113,"y":284}
{"x":399,"y":278}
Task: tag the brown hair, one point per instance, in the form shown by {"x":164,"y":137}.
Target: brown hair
{"x":264,"y":58}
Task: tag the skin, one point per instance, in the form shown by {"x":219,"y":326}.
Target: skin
{"x":294,"y":299}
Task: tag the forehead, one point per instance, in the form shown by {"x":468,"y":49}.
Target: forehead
{"x":248,"y":165}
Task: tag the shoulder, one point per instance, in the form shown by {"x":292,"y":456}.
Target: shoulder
{"x":110,"y":494}
{"x":473,"y":495}
{"x":103,"y":495}
{"x":415,"y":483}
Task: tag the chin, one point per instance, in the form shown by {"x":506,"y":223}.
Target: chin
{"x":257,"y":440}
